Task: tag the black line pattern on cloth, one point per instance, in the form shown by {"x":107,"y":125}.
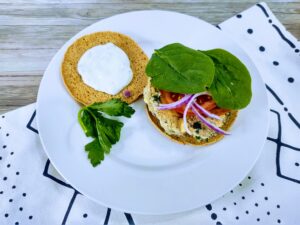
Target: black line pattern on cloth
{"x":276,"y":96}
{"x":70,"y":207}
{"x":129,"y":218}
{"x":289,"y":42}
{"x":29,"y":124}
{"x":294,"y":120}
{"x":263,"y":9}
{"x":46,"y":174}
{"x":61,"y":182}
{"x":107,"y":216}
{"x":283,"y":37}
{"x":280,"y":144}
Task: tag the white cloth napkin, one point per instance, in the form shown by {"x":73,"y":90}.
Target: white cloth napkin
{"x":32,"y":192}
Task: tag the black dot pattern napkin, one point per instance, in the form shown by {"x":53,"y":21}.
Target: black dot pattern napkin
{"x":32,"y":192}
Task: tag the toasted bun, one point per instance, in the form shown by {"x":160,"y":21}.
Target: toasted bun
{"x":188,"y":139}
{"x":86,"y":94}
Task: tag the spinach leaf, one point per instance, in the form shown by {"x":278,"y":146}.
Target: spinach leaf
{"x":180,"y":69}
{"x":231,"y":88}
{"x":113,"y":107}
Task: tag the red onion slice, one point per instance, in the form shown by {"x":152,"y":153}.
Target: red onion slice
{"x":207,"y":123}
{"x":127,"y":93}
{"x":176,"y":104}
{"x":205,"y":112}
{"x":188,"y":106}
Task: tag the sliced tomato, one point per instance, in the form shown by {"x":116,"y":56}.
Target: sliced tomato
{"x":169,"y":97}
{"x":219,"y":111}
{"x":209,"y":105}
{"x":205,"y":101}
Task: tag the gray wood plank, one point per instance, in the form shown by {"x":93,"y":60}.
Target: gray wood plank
{"x":7,"y":108}
{"x":17,"y":95}
{"x":53,"y":37}
{"x":85,"y":14}
{"x":20,"y":80}
{"x":135,"y":1}
{"x":17,"y":91}
{"x":25,"y":61}
{"x":36,"y":37}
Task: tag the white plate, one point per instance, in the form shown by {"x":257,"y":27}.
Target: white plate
{"x":146,"y":172}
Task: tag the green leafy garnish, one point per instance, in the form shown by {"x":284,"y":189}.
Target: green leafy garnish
{"x":87,"y":123}
{"x":95,"y":154}
{"x":231,"y":88}
{"x":105,"y":131}
{"x":114,"y":107}
{"x":180,"y":69}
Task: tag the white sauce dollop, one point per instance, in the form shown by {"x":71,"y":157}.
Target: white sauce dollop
{"x":105,"y":68}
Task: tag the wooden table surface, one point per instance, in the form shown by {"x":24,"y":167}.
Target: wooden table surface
{"x":31,"y":31}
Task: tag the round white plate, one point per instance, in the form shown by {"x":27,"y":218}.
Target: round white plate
{"x":146,"y":172}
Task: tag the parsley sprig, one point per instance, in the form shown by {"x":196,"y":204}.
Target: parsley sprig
{"x":105,"y":131}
